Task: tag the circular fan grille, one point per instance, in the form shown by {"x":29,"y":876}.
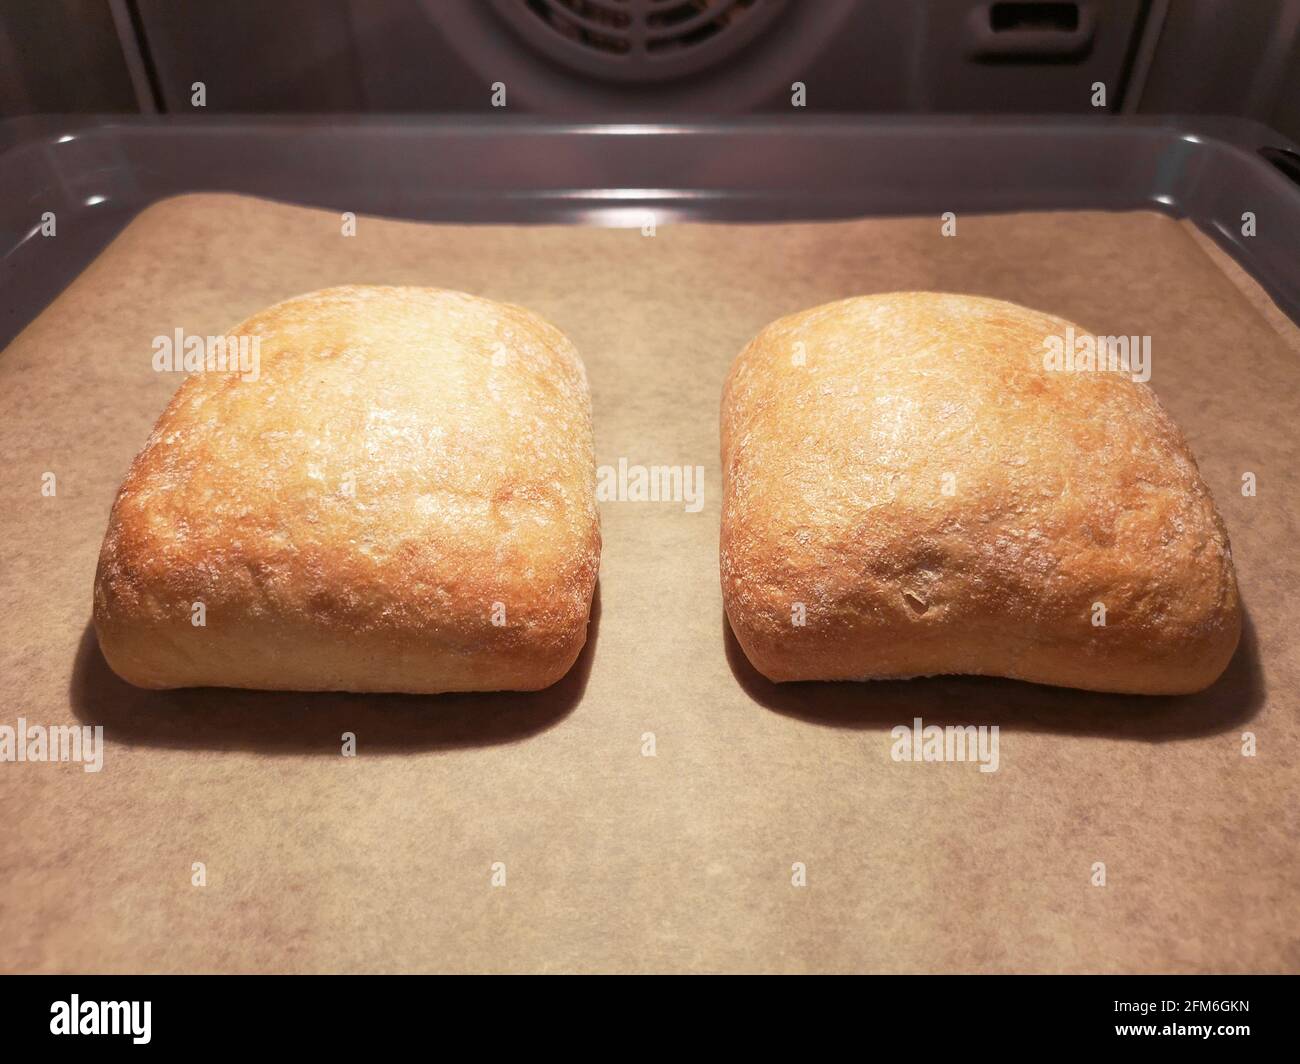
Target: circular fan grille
{"x":639,"y":40}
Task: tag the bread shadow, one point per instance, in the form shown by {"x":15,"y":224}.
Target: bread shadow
{"x":1015,"y":705}
{"x":217,"y":718}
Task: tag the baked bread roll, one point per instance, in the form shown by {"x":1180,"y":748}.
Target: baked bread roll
{"x":913,"y":488}
{"x":401,"y":497}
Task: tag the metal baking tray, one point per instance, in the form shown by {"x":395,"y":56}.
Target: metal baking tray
{"x":97,"y":173}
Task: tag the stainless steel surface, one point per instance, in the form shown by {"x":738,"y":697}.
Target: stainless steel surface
{"x":97,"y":174}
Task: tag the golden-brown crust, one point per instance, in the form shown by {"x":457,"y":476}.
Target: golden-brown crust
{"x":845,"y":427}
{"x":402,"y":500}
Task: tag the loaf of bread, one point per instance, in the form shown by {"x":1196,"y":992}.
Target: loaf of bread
{"x":915,"y":486}
{"x":399,"y":497}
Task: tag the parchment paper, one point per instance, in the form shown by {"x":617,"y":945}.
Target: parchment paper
{"x":614,"y":860}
